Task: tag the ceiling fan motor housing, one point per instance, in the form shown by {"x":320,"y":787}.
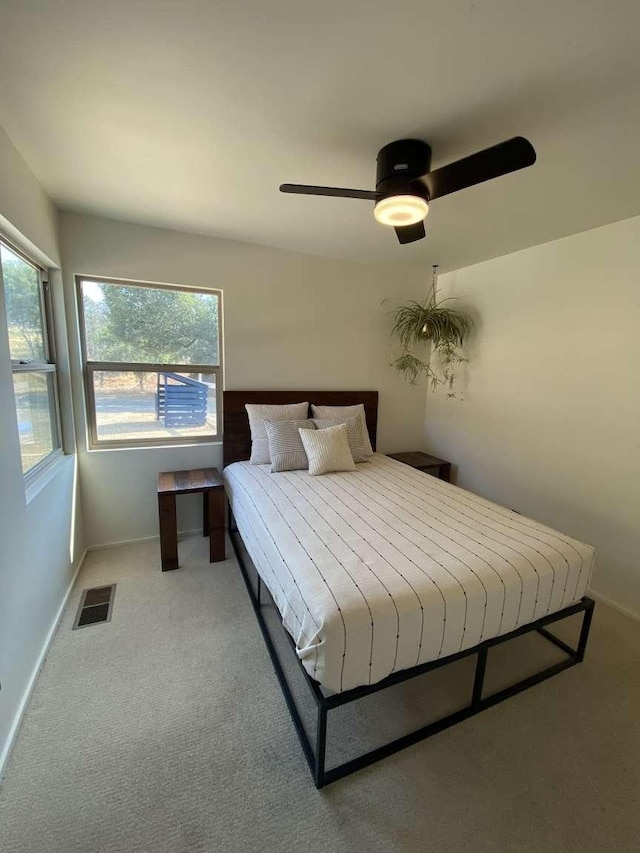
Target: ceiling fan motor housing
{"x":400,"y":165}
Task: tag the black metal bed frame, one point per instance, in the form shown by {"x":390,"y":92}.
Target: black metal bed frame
{"x":316,"y":757}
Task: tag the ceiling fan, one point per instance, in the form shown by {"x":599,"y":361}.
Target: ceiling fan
{"x":405,"y":186}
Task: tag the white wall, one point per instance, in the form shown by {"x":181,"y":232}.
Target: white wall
{"x":290,"y":321}
{"x":26,"y":214}
{"x":40,"y":544}
{"x":550,"y":423}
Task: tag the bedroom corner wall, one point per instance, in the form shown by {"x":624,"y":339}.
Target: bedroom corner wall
{"x":290,"y":321}
{"x":550,"y":422}
{"x":41,"y":540}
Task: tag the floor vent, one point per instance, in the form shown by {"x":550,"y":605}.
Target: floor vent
{"x":95,"y":606}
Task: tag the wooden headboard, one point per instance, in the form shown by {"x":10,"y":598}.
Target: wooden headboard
{"x":236,"y":439}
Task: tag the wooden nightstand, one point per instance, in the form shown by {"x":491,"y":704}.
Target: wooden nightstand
{"x":423,"y":462}
{"x":172,"y":483}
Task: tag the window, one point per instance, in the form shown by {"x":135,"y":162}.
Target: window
{"x":152,"y":355}
{"x":28,"y":315}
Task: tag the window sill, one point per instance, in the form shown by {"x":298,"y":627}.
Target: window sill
{"x":45,"y":475}
{"x":217,"y":442}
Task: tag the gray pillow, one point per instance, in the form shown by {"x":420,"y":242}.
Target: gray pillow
{"x":354,"y":434}
{"x":346,"y":412}
{"x":286,"y":450}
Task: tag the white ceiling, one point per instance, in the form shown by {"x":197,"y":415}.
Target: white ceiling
{"x":190,"y":114}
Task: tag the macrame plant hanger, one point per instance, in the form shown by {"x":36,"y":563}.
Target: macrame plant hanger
{"x":434,"y":290}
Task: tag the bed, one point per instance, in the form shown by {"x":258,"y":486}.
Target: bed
{"x":384,"y":573}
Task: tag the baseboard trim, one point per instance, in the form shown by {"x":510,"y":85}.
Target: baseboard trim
{"x":614,"y":604}
{"x":22,"y":706}
{"x":105,"y":545}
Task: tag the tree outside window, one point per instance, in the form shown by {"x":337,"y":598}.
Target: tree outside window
{"x":153,"y":362}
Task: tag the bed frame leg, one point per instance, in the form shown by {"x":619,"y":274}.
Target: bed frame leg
{"x":478,"y":682}
{"x":321,"y":744}
{"x":584,"y":631}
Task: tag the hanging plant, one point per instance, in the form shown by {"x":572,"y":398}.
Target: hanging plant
{"x":417,"y":324}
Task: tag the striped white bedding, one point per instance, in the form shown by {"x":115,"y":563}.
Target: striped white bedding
{"x":385,"y":567}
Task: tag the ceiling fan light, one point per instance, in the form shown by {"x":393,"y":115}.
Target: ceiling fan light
{"x":399,"y":210}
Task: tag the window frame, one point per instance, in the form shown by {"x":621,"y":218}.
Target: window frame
{"x":91,"y":367}
{"x":48,"y":365}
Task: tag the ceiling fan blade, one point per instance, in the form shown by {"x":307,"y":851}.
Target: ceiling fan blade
{"x":338,"y":192}
{"x":411,"y":233}
{"x":508,"y":156}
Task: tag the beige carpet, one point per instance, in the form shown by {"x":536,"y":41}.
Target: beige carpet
{"x":165,"y":730}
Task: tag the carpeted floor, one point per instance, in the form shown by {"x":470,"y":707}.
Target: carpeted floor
{"x":165,"y":731}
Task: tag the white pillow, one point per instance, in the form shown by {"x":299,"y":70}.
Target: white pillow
{"x":354,"y":434}
{"x":327,"y":449}
{"x":258,"y":414}
{"x":346,"y":412}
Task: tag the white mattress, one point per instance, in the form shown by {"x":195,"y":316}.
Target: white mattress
{"x":386,"y":567}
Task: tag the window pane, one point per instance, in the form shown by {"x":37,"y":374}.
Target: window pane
{"x":34,"y":391}
{"x":139,"y":405}
{"x":24,"y":310}
{"x":153,"y":325}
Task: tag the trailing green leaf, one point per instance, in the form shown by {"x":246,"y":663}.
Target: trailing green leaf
{"x":410,"y":366}
{"x":432,"y":323}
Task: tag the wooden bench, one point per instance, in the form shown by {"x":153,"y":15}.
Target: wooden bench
{"x":172,"y":483}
